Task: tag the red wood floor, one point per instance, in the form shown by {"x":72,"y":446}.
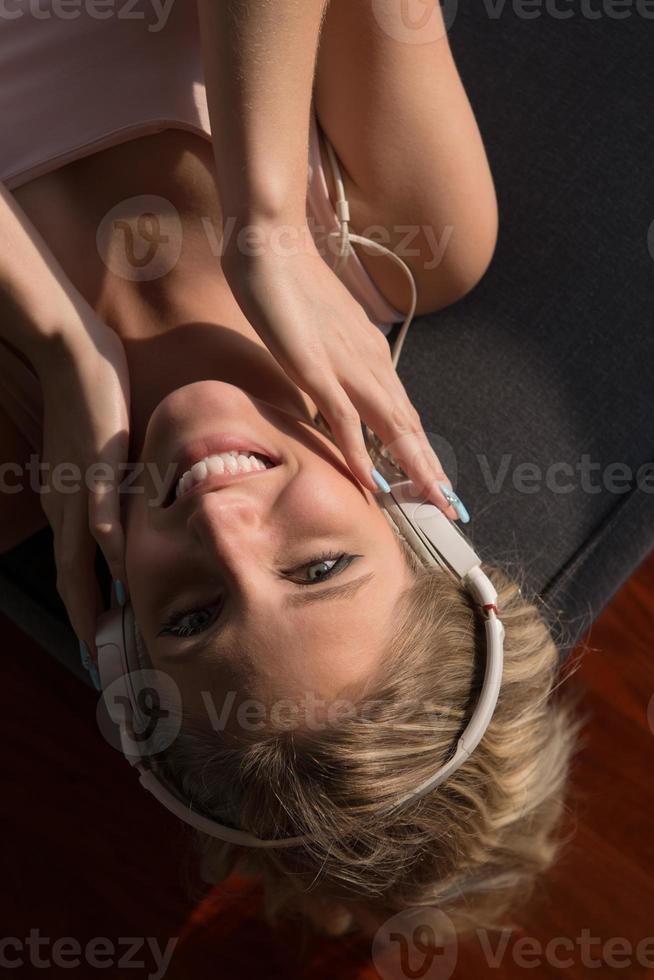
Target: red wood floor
{"x":91,"y":883}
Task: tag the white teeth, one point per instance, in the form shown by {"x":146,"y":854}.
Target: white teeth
{"x":219,"y":463}
{"x":199,"y":471}
{"x":215,"y":464}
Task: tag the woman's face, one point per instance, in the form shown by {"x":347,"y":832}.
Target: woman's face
{"x":239,"y":568}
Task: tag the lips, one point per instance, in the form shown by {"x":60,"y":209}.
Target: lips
{"x":219,"y":443}
{"x":215,"y":444}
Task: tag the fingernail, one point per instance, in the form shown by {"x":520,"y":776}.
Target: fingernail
{"x":95,"y":676}
{"x":380,"y":481}
{"x":452,"y":498}
{"x":84,"y":654}
{"x":119,"y":590}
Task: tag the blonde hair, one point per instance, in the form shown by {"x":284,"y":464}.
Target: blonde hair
{"x":472,"y":848}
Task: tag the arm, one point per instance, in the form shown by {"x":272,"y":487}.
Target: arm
{"x":83,"y":374}
{"x":259,"y":61}
{"x":40,"y":306}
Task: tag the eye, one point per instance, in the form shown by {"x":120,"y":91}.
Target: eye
{"x":188,"y":622}
{"x":325,"y":566}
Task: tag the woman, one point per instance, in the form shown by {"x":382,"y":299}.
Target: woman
{"x":145,"y":356}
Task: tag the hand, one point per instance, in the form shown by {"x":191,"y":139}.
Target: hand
{"x":322,"y":338}
{"x":85,"y":383}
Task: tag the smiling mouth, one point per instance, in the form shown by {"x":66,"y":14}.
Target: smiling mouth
{"x":214,"y":472}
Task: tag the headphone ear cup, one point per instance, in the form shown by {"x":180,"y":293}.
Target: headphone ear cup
{"x":131,"y":655}
{"x":117,"y":658}
{"x":118,"y":666}
{"x":109,"y":643}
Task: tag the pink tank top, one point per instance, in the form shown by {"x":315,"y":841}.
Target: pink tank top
{"x":78,"y":78}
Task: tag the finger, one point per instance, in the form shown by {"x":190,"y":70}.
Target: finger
{"x":423,"y":468}
{"x":399,"y":427}
{"x":77,"y":584}
{"x":426,"y":465}
{"x":104,"y":522}
{"x":421,"y":462}
{"x":425,"y":471}
{"x":345,"y":424}
{"x":433,"y":475}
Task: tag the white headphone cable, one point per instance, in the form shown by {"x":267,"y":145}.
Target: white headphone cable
{"x":345,"y":237}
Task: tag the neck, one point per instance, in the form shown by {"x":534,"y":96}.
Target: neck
{"x":179,"y":334}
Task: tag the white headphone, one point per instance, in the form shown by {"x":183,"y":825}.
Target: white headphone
{"x":432,"y":535}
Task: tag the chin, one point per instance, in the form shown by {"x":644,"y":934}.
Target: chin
{"x":214,"y":396}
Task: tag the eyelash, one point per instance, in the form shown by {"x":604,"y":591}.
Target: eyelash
{"x":171,"y":628}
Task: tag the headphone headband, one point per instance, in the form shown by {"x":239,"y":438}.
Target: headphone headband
{"x":434,"y":537}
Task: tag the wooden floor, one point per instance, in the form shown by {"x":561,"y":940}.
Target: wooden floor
{"x":603,"y":888}
{"x":86,"y":853}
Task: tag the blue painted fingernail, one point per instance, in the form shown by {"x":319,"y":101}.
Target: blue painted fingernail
{"x":452,"y":498}
{"x":380,"y":481}
{"x":95,"y":676}
{"x":119,"y":590}
{"x":84,"y":654}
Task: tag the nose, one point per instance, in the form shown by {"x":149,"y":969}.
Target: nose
{"x":224,"y":522}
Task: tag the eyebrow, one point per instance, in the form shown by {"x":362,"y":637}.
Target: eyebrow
{"x":345,"y":591}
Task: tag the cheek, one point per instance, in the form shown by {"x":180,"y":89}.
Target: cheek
{"x":145,"y":554}
{"x":147,"y":565}
{"x":134,"y":532}
{"x":326,"y":492}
